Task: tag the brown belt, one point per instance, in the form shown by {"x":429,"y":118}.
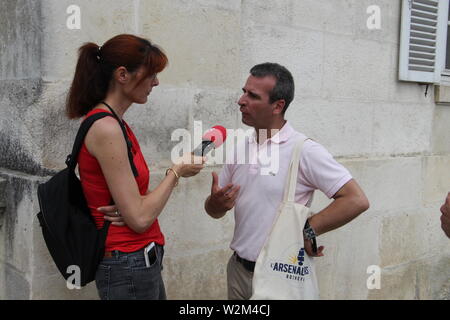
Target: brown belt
{"x":109,"y":254}
{"x":114,"y":253}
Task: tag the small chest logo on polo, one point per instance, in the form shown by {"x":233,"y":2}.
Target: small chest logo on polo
{"x":293,"y":268}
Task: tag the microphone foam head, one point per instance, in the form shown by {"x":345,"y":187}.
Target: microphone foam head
{"x":216,"y":134}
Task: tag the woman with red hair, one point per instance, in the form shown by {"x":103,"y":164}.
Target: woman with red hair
{"x":113,"y":170}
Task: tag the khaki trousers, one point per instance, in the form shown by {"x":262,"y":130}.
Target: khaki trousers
{"x":239,"y":280}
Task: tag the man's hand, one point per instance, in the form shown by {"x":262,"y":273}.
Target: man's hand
{"x":445,"y":218}
{"x":221,"y":200}
{"x":113,"y":215}
{"x":309,"y":249}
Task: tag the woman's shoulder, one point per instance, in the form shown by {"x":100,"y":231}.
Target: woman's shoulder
{"x":103,"y":130}
{"x":106,"y":127}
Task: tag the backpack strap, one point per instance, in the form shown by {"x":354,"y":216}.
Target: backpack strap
{"x":71,"y":160}
{"x":129,"y":144}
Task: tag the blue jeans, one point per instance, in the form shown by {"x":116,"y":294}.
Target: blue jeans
{"x":126,"y":277}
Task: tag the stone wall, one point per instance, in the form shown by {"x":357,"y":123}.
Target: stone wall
{"x":393,"y":138}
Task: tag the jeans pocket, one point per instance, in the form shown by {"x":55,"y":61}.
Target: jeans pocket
{"x":147,"y":282}
{"x":140,"y":265}
{"x":102,"y":279}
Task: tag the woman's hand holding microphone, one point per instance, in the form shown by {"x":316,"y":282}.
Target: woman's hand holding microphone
{"x":189,"y":165}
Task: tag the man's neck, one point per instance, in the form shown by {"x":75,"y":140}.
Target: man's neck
{"x":263,"y":134}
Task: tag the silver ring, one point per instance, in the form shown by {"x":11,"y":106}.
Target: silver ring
{"x":117,"y":213}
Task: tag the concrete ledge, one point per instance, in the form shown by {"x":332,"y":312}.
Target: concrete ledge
{"x":442,"y":95}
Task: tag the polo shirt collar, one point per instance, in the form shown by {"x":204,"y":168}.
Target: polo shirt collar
{"x":283,"y":135}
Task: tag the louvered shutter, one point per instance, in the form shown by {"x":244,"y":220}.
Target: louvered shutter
{"x":423,"y":40}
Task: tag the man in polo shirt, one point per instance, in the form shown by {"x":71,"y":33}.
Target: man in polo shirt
{"x":255,"y":195}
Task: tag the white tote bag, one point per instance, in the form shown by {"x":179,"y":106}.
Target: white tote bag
{"x":283,"y":270}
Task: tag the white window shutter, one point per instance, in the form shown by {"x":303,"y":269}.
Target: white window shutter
{"x":423,"y":40}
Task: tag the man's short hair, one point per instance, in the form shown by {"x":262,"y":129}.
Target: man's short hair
{"x":284,"y":88}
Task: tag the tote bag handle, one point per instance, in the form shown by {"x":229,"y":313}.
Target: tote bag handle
{"x":291,"y":181}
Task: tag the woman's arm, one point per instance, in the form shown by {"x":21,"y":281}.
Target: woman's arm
{"x":106,"y":143}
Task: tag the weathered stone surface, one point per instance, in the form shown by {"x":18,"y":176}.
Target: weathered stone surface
{"x":349,"y":251}
{"x":15,"y":236}
{"x":204,"y":34}
{"x":206,"y":279}
{"x":423,"y":279}
{"x":20,"y":39}
{"x":2,"y":236}
{"x":441,"y":133}
{"x":436,"y":178}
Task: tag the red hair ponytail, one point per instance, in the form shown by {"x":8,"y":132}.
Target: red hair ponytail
{"x":96,"y":65}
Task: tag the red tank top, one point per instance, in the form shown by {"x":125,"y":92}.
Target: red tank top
{"x":97,"y":195}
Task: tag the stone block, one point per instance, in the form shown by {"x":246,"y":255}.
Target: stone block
{"x":397,"y":283}
{"x":3,"y":205}
{"x":20,"y":39}
{"x":436,"y":179}
{"x":181,"y":29}
{"x":3,"y":202}
{"x":20,"y":126}
{"x":390,"y":14}
{"x":344,"y":128}
{"x":300,"y":51}
{"x":276,"y":13}
{"x":18,"y":220}
{"x":423,"y":279}
{"x":57,"y":133}
{"x":391,"y":184}
{"x":442,"y":94}
{"x":349,"y":251}
{"x":352,"y":68}
{"x":53,"y":287}
{"x":441,"y":133}
{"x":433,"y":235}
{"x":168,"y":109}
{"x":15,"y":237}
{"x":331,"y":17}
{"x":438,"y":267}
{"x":347,"y":18}
{"x":217,"y":107}
{"x":196,"y":276}
{"x":17,"y":286}
{"x":60,"y":44}
{"x":401,"y":128}
{"x":403,"y":238}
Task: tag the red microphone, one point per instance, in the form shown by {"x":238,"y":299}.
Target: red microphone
{"x":213,"y":138}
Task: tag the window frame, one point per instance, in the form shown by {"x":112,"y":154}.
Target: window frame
{"x":438,"y":74}
{"x":445,"y":73}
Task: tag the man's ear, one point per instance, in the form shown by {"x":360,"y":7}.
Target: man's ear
{"x":279,"y":106}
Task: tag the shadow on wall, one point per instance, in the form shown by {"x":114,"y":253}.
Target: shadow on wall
{"x":2,"y":215}
{"x":2,"y":202}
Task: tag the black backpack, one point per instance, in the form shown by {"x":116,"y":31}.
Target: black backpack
{"x":68,"y":227}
